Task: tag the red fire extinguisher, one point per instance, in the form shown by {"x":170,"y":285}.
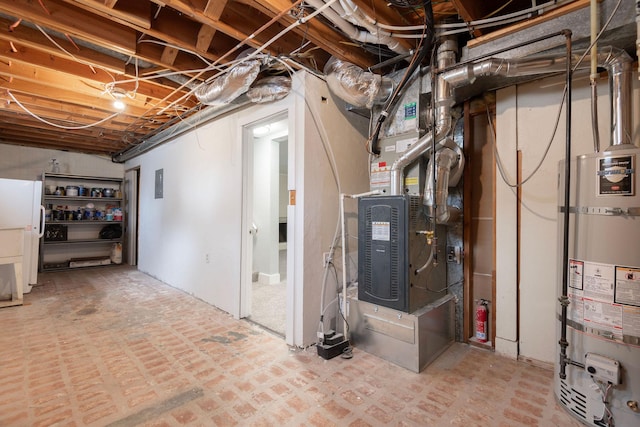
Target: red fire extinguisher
{"x":482,"y":316}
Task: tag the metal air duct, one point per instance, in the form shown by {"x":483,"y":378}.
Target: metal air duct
{"x":227,"y":87}
{"x":446,"y":57}
{"x":354,"y":14}
{"x":356,"y":86}
{"x":616,"y":61}
{"x":269,"y":89}
{"x":354,"y":32}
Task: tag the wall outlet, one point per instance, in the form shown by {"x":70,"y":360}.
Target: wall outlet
{"x":325,"y":259}
{"x":206,"y":258}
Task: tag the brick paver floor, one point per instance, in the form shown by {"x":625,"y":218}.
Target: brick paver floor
{"x":115,"y":347}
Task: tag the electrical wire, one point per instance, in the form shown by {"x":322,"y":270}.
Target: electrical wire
{"x":500,"y":165}
{"x":424,"y":49}
{"x":465,"y":25}
{"x":35,"y":116}
{"x":607,"y":417}
{"x":78,"y":60}
{"x":194,"y":53}
{"x":336,"y":236}
{"x":604,"y":27}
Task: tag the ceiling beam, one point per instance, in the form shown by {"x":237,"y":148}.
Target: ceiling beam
{"x":135,"y":12}
{"x":71,"y":20}
{"x":97,"y":76}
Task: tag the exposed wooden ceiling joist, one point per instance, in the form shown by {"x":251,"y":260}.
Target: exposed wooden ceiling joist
{"x":65,"y":60}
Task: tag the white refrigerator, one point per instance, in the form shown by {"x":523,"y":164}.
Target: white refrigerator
{"x":20,"y":207}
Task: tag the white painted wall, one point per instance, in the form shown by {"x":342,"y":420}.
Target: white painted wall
{"x":266,"y":209}
{"x":317,"y":192}
{"x":525,"y":120}
{"x":201,"y":212}
{"x":17,"y":162}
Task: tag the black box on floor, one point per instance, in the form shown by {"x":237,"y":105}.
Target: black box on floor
{"x":332,"y":347}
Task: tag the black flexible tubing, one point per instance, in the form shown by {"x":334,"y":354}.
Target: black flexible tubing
{"x":425,"y":50}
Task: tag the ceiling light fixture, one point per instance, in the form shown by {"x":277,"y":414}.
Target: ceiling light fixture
{"x":118,"y":94}
{"x":261,"y":131}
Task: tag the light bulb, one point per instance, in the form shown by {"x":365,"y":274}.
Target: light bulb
{"x":118,"y":105}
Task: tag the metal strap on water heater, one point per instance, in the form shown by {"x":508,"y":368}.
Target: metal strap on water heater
{"x":601,"y":210}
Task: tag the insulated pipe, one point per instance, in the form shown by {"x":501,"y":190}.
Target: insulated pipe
{"x":353,"y":32}
{"x":224,"y":89}
{"x":354,"y":13}
{"x":356,"y":86}
{"x":446,"y":57}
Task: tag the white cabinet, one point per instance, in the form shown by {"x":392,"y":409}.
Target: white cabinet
{"x":84,"y":221}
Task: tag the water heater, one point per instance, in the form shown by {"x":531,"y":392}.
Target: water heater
{"x":602,"y":375}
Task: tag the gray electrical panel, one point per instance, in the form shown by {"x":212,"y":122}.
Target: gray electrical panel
{"x":392,"y":248}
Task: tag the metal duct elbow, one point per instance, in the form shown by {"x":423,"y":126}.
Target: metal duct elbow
{"x":227,"y":87}
{"x":446,"y":57}
{"x":617,"y":62}
{"x":269,"y":89}
{"x":356,"y":86}
{"x":446,"y":160}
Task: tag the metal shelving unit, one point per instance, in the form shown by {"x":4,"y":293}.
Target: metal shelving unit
{"x":74,"y":241}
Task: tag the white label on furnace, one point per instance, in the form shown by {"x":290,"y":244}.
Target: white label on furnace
{"x":380,"y":230}
{"x":404,"y":144}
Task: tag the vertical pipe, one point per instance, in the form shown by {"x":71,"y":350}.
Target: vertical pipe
{"x":564,"y":300}
{"x":594,"y":75}
{"x":344,"y":269}
{"x":594,"y":35}
{"x":638,"y":32}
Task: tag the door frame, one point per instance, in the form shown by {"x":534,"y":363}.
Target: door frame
{"x":131,"y":193}
{"x":246,"y":256}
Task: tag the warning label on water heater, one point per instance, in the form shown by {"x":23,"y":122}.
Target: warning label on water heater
{"x":616,"y":175}
{"x":628,"y":286}
{"x":605,"y":300}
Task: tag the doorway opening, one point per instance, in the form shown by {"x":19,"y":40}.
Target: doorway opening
{"x":131,"y":192}
{"x":266,"y":200}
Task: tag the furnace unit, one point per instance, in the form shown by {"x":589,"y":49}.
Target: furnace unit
{"x":394,"y":246}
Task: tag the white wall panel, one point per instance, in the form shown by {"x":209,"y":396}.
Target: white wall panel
{"x":537,"y":106}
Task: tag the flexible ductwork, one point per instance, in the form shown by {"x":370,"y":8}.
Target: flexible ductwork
{"x":269,"y":89}
{"x":356,"y":33}
{"x":616,"y":61}
{"x":354,"y":14}
{"x":224,"y":89}
{"x":356,"y":86}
